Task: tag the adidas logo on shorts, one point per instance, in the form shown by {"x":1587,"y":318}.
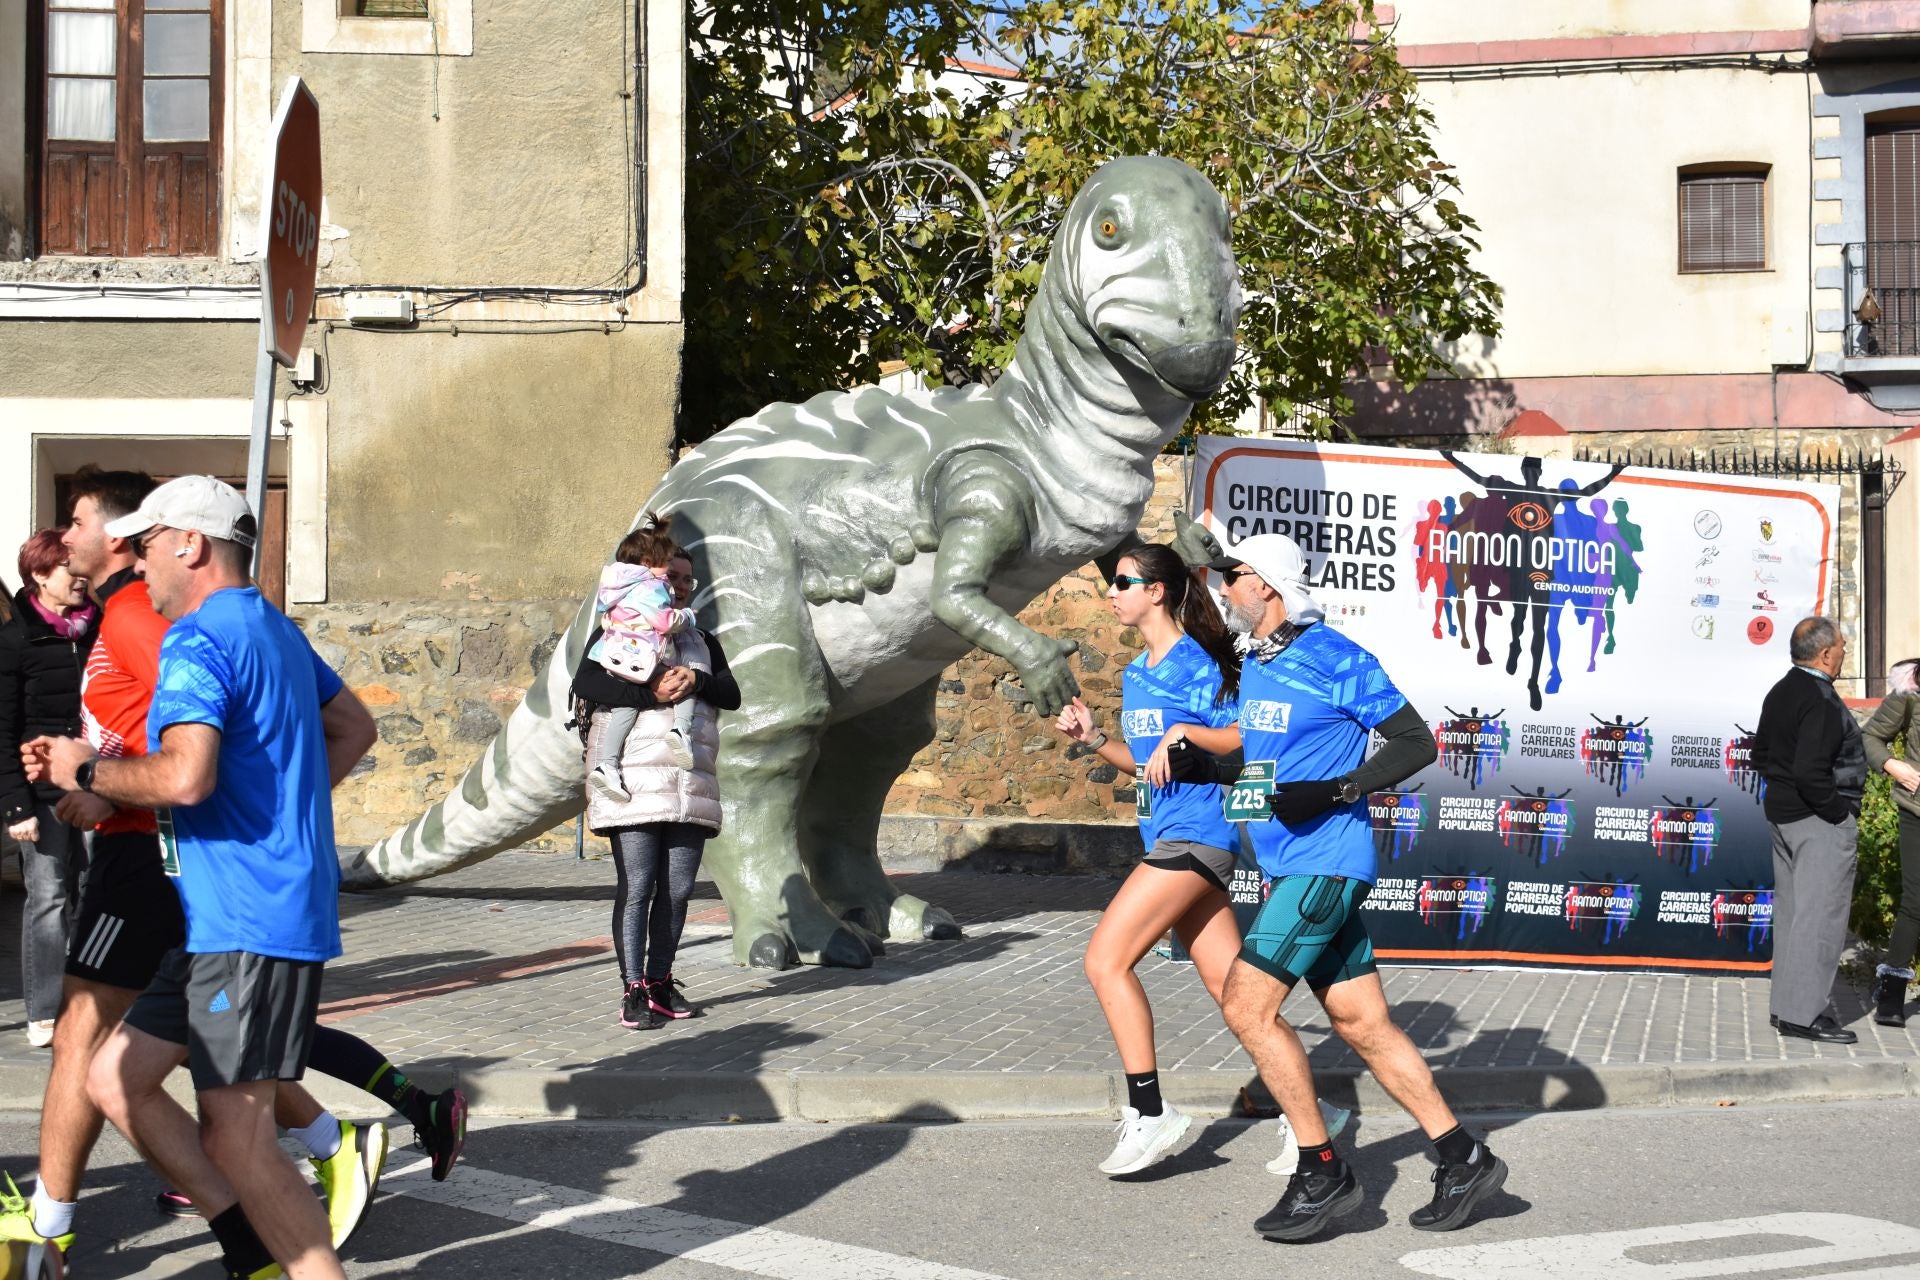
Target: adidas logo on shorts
{"x":220,"y":1002}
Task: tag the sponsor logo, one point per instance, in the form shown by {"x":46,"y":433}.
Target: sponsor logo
{"x":1616,"y":751}
{"x":1703,"y":626}
{"x":1766,"y":529}
{"x":1529,"y":516}
{"x":1765,"y":577}
{"x":1707,"y":524}
{"x":1706,"y":582}
{"x":1456,"y":903}
{"x":1472,"y":745}
{"x":1398,"y":818}
{"x":1147,"y":722}
{"x":1706,"y":602}
{"x":1738,"y":760}
{"x":1707,"y":556}
{"x":1760,"y":630}
{"x":1685,"y":833}
{"x":1535,"y":826}
{"x":1611,"y":906}
{"x":1765,"y":557}
{"x":1262,"y":716}
{"x":1764,"y":602}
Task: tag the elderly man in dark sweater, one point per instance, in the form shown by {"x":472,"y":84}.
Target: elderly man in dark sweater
{"x":1811,"y":754}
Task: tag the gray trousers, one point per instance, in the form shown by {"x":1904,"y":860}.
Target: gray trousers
{"x":53,"y":867}
{"x":1813,"y":865}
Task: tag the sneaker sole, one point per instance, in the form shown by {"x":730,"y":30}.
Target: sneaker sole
{"x":1338,"y":1207}
{"x":373,"y":1161}
{"x":457,"y":1123}
{"x":172,"y":1207}
{"x":1464,"y":1210}
{"x":1155,"y":1149}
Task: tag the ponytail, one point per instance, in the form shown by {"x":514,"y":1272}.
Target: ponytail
{"x":1192,"y":607}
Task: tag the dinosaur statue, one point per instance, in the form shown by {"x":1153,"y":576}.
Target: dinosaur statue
{"x":851,"y":547}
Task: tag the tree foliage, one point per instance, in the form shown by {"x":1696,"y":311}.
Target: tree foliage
{"x":860,"y":191}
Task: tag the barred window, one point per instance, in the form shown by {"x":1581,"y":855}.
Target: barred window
{"x":1723,"y":220}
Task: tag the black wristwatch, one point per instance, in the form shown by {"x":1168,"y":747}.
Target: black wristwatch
{"x":83,"y":776}
{"x":1348,"y":790}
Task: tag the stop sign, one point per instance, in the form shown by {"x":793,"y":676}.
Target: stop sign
{"x":291,"y":220}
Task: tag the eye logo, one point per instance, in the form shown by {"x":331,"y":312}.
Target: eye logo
{"x":1390,"y":802}
{"x":1605,"y":891}
{"x":1529,"y":516}
{"x":1459,"y":884}
{"x":1539,"y":806}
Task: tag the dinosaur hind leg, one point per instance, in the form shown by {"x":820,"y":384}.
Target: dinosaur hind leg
{"x":840,"y":818}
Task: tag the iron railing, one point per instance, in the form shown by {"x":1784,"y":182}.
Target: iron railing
{"x":1883,"y":298}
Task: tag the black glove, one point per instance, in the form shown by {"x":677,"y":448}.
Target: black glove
{"x":1297,"y":802}
{"x":1188,"y":763}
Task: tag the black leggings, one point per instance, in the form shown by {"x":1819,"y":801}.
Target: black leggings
{"x":1906,"y":920}
{"x":654,"y":865}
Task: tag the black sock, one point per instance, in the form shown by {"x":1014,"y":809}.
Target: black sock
{"x":350,"y":1059}
{"x":1456,"y":1146}
{"x":1321,"y":1160}
{"x":1143,"y":1093}
{"x":242,"y":1248}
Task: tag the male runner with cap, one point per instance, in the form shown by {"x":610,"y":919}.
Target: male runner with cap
{"x":246,"y":733}
{"x":1309,"y":697}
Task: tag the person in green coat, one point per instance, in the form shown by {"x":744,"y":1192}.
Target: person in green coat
{"x":1898,"y":718}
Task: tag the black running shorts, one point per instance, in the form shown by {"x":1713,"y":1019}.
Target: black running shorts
{"x":129,"y":916}
{"x":242,"y":1017}
{"x":1212,"y":864}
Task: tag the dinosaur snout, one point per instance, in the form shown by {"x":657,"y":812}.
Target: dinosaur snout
{"x":1196,"y":369}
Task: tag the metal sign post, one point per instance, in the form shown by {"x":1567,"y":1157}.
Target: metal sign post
{"x":290,"y":221}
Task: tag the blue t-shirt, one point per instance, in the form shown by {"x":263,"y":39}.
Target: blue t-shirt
{"x":255,"y":860}
{"x":1179,"y":689}
{"x":1309,"y":711}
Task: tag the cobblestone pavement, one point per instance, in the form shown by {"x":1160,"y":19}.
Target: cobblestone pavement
{"x":510,"y":964}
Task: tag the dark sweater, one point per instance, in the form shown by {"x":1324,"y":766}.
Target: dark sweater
{"x":40,"y":672}
{"x":594,"y":683}
{"x":1809,"y":750}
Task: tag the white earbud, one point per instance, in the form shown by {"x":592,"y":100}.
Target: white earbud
{"x":182,"y":551}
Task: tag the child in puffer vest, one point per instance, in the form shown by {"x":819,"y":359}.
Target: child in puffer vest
{"x":637,"y":620}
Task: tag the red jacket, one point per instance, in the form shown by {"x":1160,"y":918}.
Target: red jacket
{"x":121,"y":674}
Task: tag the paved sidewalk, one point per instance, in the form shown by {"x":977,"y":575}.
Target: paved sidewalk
{"x":504,"y":974}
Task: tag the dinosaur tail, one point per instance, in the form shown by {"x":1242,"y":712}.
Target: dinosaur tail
{"x":530,"y":777}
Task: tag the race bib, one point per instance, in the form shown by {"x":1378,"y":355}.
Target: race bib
{"x":1247,"y":797}
{"x":169,"y":845}
{"x":1142,"y":793}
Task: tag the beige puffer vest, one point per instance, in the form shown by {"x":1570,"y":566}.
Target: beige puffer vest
{"x":661,"y":791}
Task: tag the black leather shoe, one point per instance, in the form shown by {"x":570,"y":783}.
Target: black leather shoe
{"x":1824,"y":1029}
{"x":1773,"y":1020}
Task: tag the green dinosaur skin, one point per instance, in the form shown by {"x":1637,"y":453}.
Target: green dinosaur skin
{"x":853,"y":546}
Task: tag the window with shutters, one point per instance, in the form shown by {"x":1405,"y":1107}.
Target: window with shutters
{"x":1723,"y":219}
{"x":129,"y":127}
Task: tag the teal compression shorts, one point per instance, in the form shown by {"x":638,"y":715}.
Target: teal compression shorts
{"x":1310,"y":929}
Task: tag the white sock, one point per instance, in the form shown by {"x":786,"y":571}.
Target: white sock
{"x":51,"y":1217}
{"x":321,"y":1138}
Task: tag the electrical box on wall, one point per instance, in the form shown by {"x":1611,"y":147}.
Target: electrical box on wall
{"x":306,"y":367}
{"x":379,"y":311}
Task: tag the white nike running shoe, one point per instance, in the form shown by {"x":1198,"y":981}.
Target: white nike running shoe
{"x":1288,"y":1160}
{"x":1144,"y":1139}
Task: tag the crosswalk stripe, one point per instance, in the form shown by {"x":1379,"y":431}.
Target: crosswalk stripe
{"x":738,"y":1246}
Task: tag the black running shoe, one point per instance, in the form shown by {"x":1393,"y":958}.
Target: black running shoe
{"x":663,"y":997}
{"x":634,"y":1014}
{"x":1457,"y":1189}
{"x":446,"y":1134}
{"x":1312,"y":1201}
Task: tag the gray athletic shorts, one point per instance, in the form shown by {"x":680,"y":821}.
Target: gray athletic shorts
{"x":242,"y":1017}
{"x":1213,"y":865}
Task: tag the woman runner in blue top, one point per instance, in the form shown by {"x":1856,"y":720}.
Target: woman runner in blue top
{"x":1185,"y":686}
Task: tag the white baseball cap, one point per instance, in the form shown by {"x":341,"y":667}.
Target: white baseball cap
{"x":199,"y":503}
{"x":1280,"y":563}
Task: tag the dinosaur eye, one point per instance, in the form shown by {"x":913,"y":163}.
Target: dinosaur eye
{"x":1106,"y":232}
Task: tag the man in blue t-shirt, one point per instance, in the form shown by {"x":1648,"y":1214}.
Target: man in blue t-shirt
{"x":1310,"y":698}
{"x":247,"y":731}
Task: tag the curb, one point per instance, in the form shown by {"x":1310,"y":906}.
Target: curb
{"x":943,"y":1096}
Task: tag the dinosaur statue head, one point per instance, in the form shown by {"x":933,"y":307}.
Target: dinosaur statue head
{"x":1146,"y":254}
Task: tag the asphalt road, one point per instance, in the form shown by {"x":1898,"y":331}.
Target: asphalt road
{"x":1786,"y":1193}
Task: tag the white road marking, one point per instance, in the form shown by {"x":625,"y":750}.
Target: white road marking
{"x":759,"y":1251}
{"x":1602,"y":1255}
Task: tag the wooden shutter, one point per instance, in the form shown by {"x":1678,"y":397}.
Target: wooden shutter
{"x":1723,"y":221}
{"x":1893,"y":238}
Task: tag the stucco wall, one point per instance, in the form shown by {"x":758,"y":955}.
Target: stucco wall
{"x":1574,"y":182}
{"x":490,"y":466}
{"x":100,"y":359}
{"x":525,"y":178}
{"x":13,"y":128}
{"x":1451,"y":21}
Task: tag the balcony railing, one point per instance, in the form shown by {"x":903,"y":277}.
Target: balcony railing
{"x":1883,"y":298}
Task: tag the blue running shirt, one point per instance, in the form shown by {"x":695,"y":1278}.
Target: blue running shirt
{"x":1310,"y":711}
{"x":1179,"y":689}
{"x":256,"y":865}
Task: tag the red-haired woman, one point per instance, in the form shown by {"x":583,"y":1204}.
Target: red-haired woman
{"x":43,"y":653}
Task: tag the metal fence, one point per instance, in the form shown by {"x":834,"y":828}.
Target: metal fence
{"x":1883,"y":298}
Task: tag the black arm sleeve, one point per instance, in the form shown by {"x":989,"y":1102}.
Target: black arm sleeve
{"x":721,"y":690}
{"x":1406,"y":749}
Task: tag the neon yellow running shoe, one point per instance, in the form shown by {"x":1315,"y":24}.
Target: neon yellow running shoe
{"x":271,"y":1271}
{"x":351,"y":1175}
{"x":16,"y":1222}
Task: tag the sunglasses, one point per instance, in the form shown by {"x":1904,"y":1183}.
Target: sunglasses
{"x":1231,"y":576}
{"x":1122,"y":581}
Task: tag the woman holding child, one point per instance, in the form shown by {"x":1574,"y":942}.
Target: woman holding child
{"x":651,"y":743}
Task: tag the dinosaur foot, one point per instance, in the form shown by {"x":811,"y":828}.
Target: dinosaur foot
{"x":912,"y":917}
{"x":862,"y":926}
{"x":785,"y":943}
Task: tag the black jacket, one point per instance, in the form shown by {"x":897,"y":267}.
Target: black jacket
{"x":594,"y":683}
{"x":40,"y":674}
{"x":1809,"y":749}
